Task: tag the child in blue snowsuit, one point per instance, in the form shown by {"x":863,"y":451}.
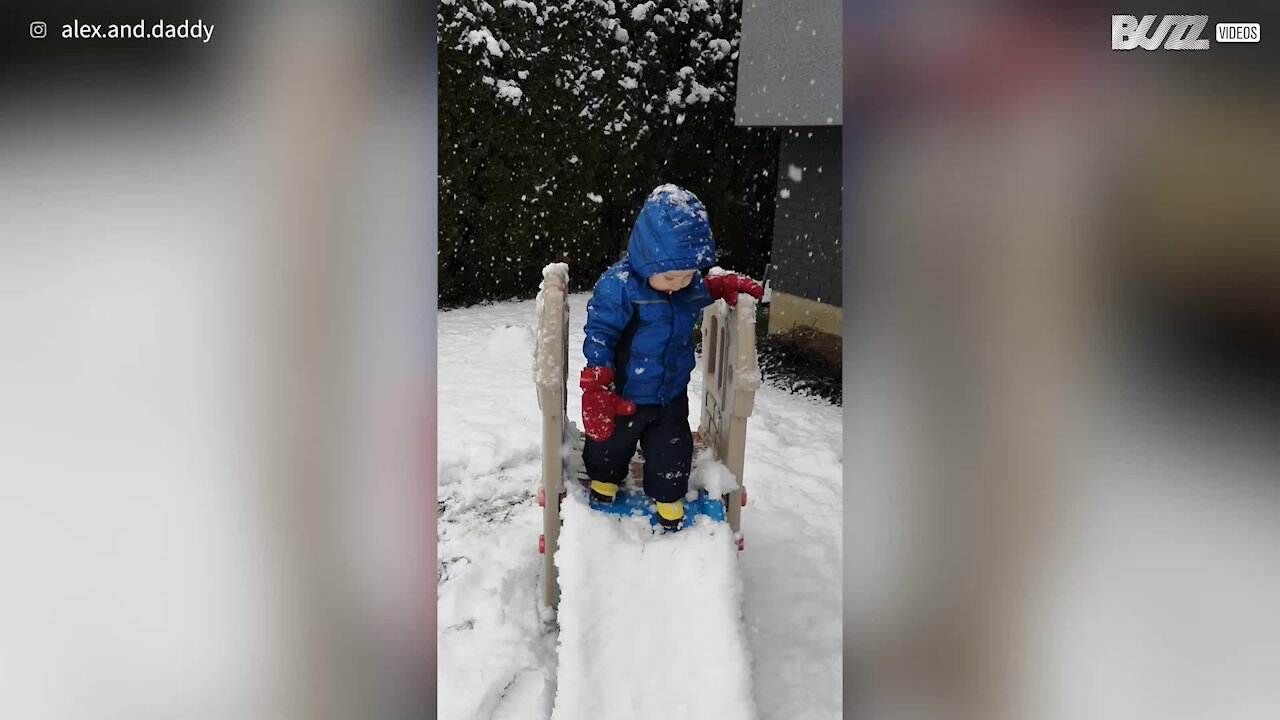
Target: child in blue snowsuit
{"x":639,"y":349}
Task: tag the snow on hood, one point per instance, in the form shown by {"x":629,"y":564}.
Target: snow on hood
{"x":671,"y":233}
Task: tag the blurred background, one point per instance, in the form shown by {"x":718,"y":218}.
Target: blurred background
{"x":216,"y":295}
{"x":217,"y":292}
{"x":1062,"y":360}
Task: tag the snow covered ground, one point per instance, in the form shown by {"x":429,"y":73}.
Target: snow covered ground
{"x":497,"y":647}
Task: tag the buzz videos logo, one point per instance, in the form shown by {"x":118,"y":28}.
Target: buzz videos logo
{"x":1175,"y":32}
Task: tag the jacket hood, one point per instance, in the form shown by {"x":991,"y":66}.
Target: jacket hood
{"x":671,"y":233}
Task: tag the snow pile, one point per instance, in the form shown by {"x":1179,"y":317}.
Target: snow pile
{"x":508,"y":90}
{"x":698,"y":92}
{"x":650,"y":625}
{"x":475,"y":37}
{"x":522,"y":4}
{"x":711,"y":475}
{"x":559,"y":270}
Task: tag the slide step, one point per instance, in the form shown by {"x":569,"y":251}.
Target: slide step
{"x":634,"y":503}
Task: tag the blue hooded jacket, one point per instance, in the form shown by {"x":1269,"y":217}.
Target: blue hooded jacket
{"x":646,"y":335}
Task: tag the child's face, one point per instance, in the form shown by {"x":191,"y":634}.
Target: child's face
{"x":671,"y":281}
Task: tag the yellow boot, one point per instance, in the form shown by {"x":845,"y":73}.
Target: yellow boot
{"x":671,"y":514}
{"x":603,"y":492}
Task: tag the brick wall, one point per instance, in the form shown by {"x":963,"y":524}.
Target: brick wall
{"x":806,"y":226}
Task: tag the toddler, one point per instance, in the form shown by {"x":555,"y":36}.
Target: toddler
{"x":639,"y":349}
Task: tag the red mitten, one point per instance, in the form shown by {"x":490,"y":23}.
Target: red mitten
{"x":600,"y":404}
{"x":726,"y":286}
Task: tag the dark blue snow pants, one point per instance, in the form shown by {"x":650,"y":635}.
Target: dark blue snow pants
{"x":667,"y":444}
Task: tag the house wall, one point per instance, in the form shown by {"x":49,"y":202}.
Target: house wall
{"x":807,"y":229}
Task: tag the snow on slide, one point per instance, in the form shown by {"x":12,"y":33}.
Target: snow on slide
{"x":650,"y":624}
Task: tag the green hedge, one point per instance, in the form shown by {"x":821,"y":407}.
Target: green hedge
{"x":558,"y":118}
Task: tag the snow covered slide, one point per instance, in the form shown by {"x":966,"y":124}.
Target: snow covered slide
{"x":650,"y":624}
